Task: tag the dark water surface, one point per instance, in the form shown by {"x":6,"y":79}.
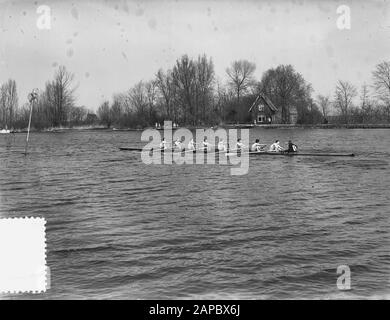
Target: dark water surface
{"x":117,"y":228}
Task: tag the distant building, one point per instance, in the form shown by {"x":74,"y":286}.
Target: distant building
{"x":263,"y":111}
{"x":91,"y":118}
{"x":293,"y":115}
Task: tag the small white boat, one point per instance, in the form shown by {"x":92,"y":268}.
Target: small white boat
{"x":5,"y":131}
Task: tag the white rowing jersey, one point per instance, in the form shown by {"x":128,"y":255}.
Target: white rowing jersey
{"x":191,"y":145}
{"x":206,"y":145}
{"x":221,"y":146}
{"x":275,"y":147}
{"x":256,"y":146}
{"x":178,"y":144}
{"x":163,"y":145}
{"x":240,"y":145}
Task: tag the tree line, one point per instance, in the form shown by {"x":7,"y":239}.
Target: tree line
{"x":190,"y":93}
{"x":55,"y":106}
{"x":374,"y":100}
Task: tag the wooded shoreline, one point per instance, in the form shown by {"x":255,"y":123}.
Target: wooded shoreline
{"x":191,"y":94}
{"x":226,"y":126}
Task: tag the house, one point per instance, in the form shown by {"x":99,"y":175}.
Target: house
{"x":91,"y":118}
{"x":263,"y":111}
{"x":293,"y":113}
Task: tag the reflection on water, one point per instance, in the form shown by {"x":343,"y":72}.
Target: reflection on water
{"x":120,"y":229}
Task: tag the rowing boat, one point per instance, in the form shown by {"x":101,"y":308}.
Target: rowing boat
{"x":309,"y":154}
{"x":290,"y":154}
{"x":130,"y":149}
{"x":170,"y":150}
{"x":255,"y":153}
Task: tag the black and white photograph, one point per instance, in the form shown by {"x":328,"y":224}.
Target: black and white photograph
{"x":194,"y":150}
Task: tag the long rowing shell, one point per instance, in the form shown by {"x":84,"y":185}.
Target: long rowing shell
{"x":308,"y":154}
{"x":162,"y":150}
{"x":261,"y":153}
{"x":129,"y":149}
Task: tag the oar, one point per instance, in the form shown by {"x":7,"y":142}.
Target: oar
{"x":230,"y":151}
{"x":199,"y":149}
{"x":192,"y":150}
{"x":183,"y":150}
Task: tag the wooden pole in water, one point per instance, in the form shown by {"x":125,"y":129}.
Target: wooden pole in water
{"x":28,"y":129}
{"x":32,"y":97}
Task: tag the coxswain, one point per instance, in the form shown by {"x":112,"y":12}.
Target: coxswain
{"x":292,"y":147}
{"x":275,"y":147}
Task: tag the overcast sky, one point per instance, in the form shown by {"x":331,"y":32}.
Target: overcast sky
{"x":111,"y":45}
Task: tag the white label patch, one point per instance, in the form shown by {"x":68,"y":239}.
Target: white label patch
{"x":22,"y":255}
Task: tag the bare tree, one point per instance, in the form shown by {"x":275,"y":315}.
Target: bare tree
{"x":3,"y":106}
{"x":151,"y":97}
{"x":138,"y":100}
{"x":287,"y":88}
{"x":381,"y":77}
{"x":223,"y":98}
{"x":184,"y":79}
{"x":366,"y":104}
{"x":137,"y":96}
{"x":104,"y":114}
{"x":164,"y":82}
{"x":344,"y":95}
{"x":8,"y":103}
{"x":60,"y":96}
{"x":364,"y":97}
{"x":23,"y":116}
{"x":77,"y":115}
{"x":324,"y":104}
{"x":124,"y":101}
{"x":116,"y":110}
{"x":204,"y":71}
{"x":241,"y":77}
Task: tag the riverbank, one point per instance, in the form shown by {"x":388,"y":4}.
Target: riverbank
{"x":224,"y":126}
{"x":312,"y":126}
{"x":61,"y":129}
{"x":272,"y":126}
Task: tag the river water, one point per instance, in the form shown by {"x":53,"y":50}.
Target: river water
{"x":117,"y":228}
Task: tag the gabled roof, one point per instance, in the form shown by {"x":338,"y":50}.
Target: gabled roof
{"x":264,"y":98}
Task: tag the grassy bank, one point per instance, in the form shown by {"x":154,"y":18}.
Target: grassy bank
{"x":326,"y":126}
{"x":225,"y":126}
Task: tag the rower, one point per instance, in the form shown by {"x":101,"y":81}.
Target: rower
{"x":292,"y":147}
{"x":257,"y":146}
{"x":240,"y":145}
{"x":178,"y":144}
{"x":221,"y":145}
{"x":163,"y":144}
{"x":275,"y":147}
{"x":191,"y":145}
{"x":206,"y":145}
